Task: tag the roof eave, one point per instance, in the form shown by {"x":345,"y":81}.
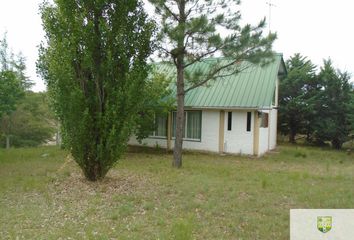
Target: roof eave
{"x":230,"y":108}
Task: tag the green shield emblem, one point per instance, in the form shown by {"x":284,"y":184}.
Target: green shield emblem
{"x":324,"y":223}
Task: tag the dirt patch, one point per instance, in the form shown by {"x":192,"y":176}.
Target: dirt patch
{"x":120,"y":182}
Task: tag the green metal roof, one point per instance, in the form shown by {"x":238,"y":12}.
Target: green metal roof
{"x":252,"y":88}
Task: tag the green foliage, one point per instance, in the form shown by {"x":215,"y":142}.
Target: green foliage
{"x":156,"y":101}
{"x":351,"y":110}
{"x":190,"y":31}
{"x":13,"y":81}
{"x":94,"y":63}
{"x":10,"y":92}
{"x":334,"y":106}
{"x":31,"y":124}
{"x":296,"y":92}
{"x":20,"y":67}
{"x":318,"y":106}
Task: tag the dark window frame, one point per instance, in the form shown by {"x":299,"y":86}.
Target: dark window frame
{"x":229,"y":121}
{"x":249,"y":121}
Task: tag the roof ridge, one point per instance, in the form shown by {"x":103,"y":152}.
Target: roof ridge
{"x":210,"y":59}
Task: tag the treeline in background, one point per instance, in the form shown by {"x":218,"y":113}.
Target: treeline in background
{"x":25,"y":116}
{"x":316,"y":105}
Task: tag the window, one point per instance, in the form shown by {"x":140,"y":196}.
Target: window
{"x":160,"y":126}
{"x":192,"y":125}
{"x":249,"y":116}
{"x":229,"y":121}
{"x":264,"y":120}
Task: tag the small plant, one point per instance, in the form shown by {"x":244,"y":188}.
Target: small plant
{"x":126,"y":210}
{"x":148,"y":206}
{"x":300,"y":154}
{"x":115,"y":217}
{"x":182,"y":229}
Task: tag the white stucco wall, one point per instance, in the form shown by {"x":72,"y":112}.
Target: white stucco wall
{"x":268,"y":136}
{"x":238,"y":140}
{"x":273,"y":129}
{"x":263,"y":140}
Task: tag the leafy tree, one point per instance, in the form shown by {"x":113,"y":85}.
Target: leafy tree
{"x":15,"y":63}
{"x":32,"y":123}
{"x":296,"y":97}
{"x":94,"y":64}
{"x":11,"y":88}
{"x":156,"y":101}
{"x":351,"y":117}
{"x":10,"y":92}
{"x":333,"y":119}
{"x":19,"y":65}
{"x":351,"y":111}
{"x":190,"y":33}
{"x":13,"y":83}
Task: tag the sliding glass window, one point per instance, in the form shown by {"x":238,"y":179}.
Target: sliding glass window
{"x":160,"y":127}
{"x":192,"y":125}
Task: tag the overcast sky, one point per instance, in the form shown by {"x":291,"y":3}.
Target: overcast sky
{"x":315,"y":28}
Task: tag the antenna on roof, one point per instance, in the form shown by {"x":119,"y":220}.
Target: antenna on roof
{"x":270,"y":4}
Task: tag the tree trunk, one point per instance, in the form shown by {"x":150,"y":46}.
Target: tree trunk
{"x":93,"y":173}
{"x":8,"y":142}
{"x":336,"y":144}
{"x":292,"y":134}
{"x":293,"y":127}
{"x":177,"y":152}
{"x":308,"y":137}
{"x":57,"y":136}
{"x":292,"y":138}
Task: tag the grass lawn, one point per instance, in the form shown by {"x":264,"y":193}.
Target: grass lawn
{"x":44,"y":196}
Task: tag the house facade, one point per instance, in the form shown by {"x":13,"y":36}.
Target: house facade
{"x":236,"y":114}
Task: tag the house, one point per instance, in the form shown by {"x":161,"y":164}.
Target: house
{"x":236,"y":114}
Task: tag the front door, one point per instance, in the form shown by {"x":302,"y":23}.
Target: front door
{"x":238,"y":132}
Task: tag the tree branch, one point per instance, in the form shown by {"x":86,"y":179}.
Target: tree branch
{"x":175,"y":16}
{"x":215,"y":72}
{"x":165,"y":50}
{"x":201,"y":56}
{"x":192,"y":8}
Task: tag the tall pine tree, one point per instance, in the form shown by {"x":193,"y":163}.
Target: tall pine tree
{"x":189,"y":32}
{"x":296,"y":97}
{"x":334,"y":106}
